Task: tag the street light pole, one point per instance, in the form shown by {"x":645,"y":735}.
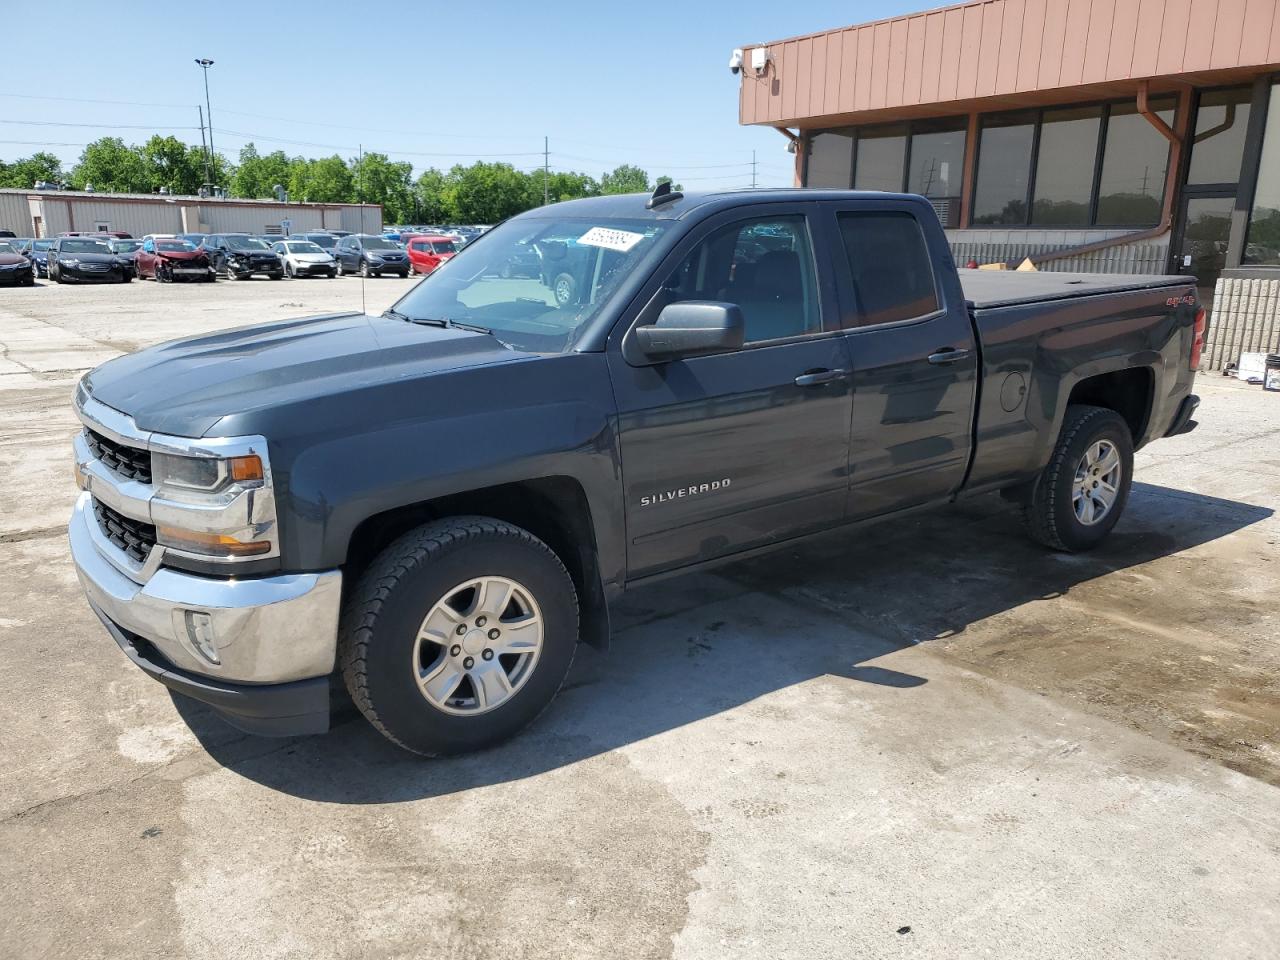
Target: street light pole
{"x":205,"y":63}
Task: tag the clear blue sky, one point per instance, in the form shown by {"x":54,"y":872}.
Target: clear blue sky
{"x":608,"y":82}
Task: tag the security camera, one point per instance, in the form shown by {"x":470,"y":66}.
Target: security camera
{"x":735,"y":60}
{"x":760,"y":57}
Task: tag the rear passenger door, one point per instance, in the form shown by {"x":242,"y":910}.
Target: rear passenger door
{"x":727,"y":452}
{"x":913,"y":356}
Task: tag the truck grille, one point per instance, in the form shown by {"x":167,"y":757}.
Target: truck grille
{"x":130,"y":462}
{"x":132,"y":536}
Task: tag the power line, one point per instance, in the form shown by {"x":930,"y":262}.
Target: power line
{"x":120,"y":103}
{"x":97,"y":126}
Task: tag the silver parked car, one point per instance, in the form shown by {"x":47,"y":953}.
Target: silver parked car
{"x":302,"y":258}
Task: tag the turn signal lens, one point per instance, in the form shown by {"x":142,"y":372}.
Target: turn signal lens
{"x":245,"y":468}
{"x":209,"y":544}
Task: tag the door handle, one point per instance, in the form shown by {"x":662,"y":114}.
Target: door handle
{"x":815,"y":378}
{"x":948,"y":356}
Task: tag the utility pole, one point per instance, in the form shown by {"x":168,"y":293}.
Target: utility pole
{"x":205,"y":63}
{"x":546,"y":170}
{"x":204,"y":148}
{"x":753,"y":169}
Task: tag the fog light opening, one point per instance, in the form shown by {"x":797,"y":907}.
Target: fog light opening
{"x":200,"y":634}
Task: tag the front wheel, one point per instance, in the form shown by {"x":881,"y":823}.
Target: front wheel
{"x":564,"y":288}
{"x":288,"y":271}
{"x":340,"y":270}
{"x":458,"y":635}
{"x":1083,"y":490}
{"x":364,"y":269}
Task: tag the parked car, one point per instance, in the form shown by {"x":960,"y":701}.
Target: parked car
{"x":428,"y":252}
{"x":521,"y":261}
{"x":370,"y":256}
{"x":37,"y":250}
{"x":166,"y":259}
{"x":440,"y":503}
{"x":86,"y":258}
{"x":240,"y":256}
{"x":126,"y":250}
{"x":15,"y":267}
{"x":302,"y":258}
{"x":325,"y":241}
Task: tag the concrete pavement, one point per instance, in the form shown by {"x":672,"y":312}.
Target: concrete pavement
{"x":928,"y":738}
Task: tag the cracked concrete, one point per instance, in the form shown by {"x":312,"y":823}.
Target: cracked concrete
{"x":927,"y":738}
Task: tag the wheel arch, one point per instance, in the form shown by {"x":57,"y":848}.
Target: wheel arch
{"x":554,"y":509}
{"x":1129,"y":391}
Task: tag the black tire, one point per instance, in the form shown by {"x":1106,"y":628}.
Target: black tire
{"x":332,"y":274}
{"x":289,"y":271}
{"x":364,"y":269}
{"x":383,"y":613}
{"x":339,"y":270}
{"x":404,"y":275}
{"x":1049,"y":511}
{"x":564,"y":287}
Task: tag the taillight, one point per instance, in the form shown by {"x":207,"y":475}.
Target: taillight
{"x":1197,"y":342}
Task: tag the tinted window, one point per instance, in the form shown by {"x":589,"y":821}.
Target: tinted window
{"x":7,"y":247}
{"x":1134,"y":162}
{"x":378,"y":243}
{"x":889,"y":265}
{"x":1262,"y":243}
{"x":882,"y":152}
{"x":327,"y":242}
{"x":174,"y":246}
{"x":937,"y":160}
{"x":1064,"y":166}
{"x":1004,"y":166}
{"x":830,"y":160}
{"x":83,"y":246}
{"x":764,"y":266}
{"x":246,"y":243}
{"x":1219,"y":141}
{"x":443,"y":246}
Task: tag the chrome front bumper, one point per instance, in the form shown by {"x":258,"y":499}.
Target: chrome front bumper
{"x":266,"y":629}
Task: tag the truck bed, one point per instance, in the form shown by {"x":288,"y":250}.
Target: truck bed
{"x":1003,"y":288}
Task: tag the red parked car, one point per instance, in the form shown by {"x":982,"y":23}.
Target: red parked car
{"x":165,"y":259}
{"x":426,"y":252}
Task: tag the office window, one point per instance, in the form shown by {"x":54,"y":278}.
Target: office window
{"x":889,"y":265}
{"x":881,"y":156}
{"x":1134,"y":164}
{"x":1218,"y":145}
{"x":1064,"y":166}
{"x":1262,"y":242}
{"x":830,"y":159}
{"x":1004,"y":169}
{"x":937,"y":159}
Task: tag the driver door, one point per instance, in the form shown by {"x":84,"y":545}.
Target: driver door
{"x":728,"y":452}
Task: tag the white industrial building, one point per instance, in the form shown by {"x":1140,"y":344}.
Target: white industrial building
{"x":47,"y":213}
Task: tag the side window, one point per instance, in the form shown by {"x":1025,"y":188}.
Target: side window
{"x":764,"y":266}
{"x":889,"y":265}
{"x":149,"y":246}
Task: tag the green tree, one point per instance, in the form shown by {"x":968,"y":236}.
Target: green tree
{"x":434,"y":194}
{"x":625,"y":179}
{"x":488,"y":192}
{"x":169,"y":163}
{"x":23,"y":174}
{"x":325,"y":180}
{"x":109,"y":165}
{"x":561,"y":185}
{"x":257,"y":176}
{"x":388,"y":182}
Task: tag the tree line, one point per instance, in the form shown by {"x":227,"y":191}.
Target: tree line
{"x":479,"y":193}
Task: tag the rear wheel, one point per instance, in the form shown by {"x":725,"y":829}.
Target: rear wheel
{"x":458,"y":635}
{"x":1082,"y":492}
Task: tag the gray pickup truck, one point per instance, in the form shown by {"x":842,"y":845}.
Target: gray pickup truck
{"x":436,"y":505}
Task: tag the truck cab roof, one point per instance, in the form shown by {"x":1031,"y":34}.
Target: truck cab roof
{"x":633,"y":205}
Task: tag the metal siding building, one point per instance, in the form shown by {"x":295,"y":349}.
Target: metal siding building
{"x":1117,"y":135}
{"x":50,"y":212}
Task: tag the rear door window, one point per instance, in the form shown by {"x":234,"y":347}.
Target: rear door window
{"x":889,"y":266}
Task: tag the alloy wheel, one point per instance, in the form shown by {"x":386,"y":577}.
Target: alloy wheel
{"x":478,"y":645}
{"x":1097,"y":482}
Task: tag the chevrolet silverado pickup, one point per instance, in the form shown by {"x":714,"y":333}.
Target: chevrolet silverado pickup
{"x":436,"y":505}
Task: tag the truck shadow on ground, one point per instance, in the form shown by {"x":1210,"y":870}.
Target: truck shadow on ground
{"x":694,"y":646}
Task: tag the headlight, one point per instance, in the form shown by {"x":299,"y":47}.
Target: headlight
{"x":216,"y":507}
{"x":69,"y":262}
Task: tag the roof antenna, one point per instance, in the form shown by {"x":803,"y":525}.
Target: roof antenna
{"x":663,"y":194}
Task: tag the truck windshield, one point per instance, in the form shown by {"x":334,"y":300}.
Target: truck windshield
{"x":534,"y":283}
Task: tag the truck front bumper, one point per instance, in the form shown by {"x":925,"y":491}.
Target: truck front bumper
{"x":274,"y":638}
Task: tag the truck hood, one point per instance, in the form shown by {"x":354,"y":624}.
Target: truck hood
{"x":185,"y":387}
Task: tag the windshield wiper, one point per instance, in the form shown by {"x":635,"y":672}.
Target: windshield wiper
{"x":393,"y":314}
{"x":463,"y":325}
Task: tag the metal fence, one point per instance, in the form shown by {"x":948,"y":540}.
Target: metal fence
{"x":1145,"y":258}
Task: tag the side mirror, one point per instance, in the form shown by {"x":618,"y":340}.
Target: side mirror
{"x":693,"y":328}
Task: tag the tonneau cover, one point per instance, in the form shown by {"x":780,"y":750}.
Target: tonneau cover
{"x":1003,"y":288}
